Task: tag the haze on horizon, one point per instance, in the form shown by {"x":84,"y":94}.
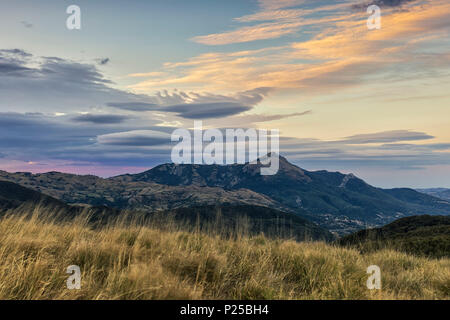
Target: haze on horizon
{"x":104,"y":100}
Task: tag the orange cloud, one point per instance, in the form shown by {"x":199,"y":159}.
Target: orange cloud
{"x":283,"y":22}
{"x":340,"y":55}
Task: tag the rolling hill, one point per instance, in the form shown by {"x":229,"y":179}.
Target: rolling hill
{"x":12,"y":196}
{"x":421,"y":235}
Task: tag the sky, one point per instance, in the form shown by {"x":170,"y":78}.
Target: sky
{"x":105,"y":99}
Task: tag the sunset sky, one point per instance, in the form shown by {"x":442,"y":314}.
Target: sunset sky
{"x":104,"y":100}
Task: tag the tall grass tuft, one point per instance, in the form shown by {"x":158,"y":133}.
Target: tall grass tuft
{"x":126,"y":259}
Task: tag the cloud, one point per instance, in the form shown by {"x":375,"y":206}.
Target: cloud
{"x":35,"y":133}
{"x":12,"y":62}
{"x":251,"y":33}
{"x":264,"y":118}
{"x":199,"y":105}
{"x":339,"y":53}
{"x":392,"y":3}
{"x":103,"y":62}
{"x":56,"y":85}
{"x":133,"y":106}
{"x":206,"y":106}
{"x":26,"y":24}
{"x":278,"y":4}
{"x":207,"y":110}
{"x":12,"y":69}
{"x":53,"y":84}
{"x":293,"y":15}
{"x":421,"y":147}
{"x":42,"y":138}
{"x":280,"y":19}
{"x":101,"y":118}
{"x":382,"y":3}
{"x":257,"y":118}
{"x":136,"y":138}
{"x":387,"y":136}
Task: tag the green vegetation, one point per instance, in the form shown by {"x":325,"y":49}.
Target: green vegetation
{"x":419,"y":235}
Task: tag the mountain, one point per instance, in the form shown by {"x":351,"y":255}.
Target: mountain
{"x":123,"y":193}
{"x":249,"y":218}
{"x":442,"y":193}
{"x":12,"y":196}
{"x":20,"y":200}
{"x":421,"y":235}
{"x":341,"y":203}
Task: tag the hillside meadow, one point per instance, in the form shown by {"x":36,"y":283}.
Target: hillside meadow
{"x":126,"y":260}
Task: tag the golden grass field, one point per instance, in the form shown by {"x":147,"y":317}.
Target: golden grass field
{"x":133,"y":262}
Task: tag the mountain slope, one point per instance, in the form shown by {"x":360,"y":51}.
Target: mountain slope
{"x":250,"y":218}
{"x":442,"y":193}
{"x":20,"y":200}
{"x":13,"y":196}
{"x":132,"y":195}
{"x":421,"y":235}
{"x":338,"y":202}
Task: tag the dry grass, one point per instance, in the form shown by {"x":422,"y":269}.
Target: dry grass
{"x":132,"y":262}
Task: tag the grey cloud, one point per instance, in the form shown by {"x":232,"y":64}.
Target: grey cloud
{"x":249,"y":97}
{"x":12,"y":62}
{"x":101,"y":118}
{"x":26,"y":24}
{"x":206,"y":105}
{"x":428,"y":146}
{"x":206,"y":110}
{"x":264,"y":118}
{"x":381,"y":3}
{"x":104,"y":61}
{"x":253,"y":97}
{"x":391,"y":3}
{"x":319,"y":154}
{"x":194,"y":105}
{"x":387,"y":136}
{"x":37,"y":133}
{"x":133,"y":106}
{"x":71,"y":72}
{"x":411,"y":168}
{"x":137,"y":138}
{"x":49,"y":138}
{"x":12,"y":68}
{"x":14,"y":53}
{"x":53,"y":84}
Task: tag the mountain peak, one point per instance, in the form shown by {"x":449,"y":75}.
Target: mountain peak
{"x":225,"y":176}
